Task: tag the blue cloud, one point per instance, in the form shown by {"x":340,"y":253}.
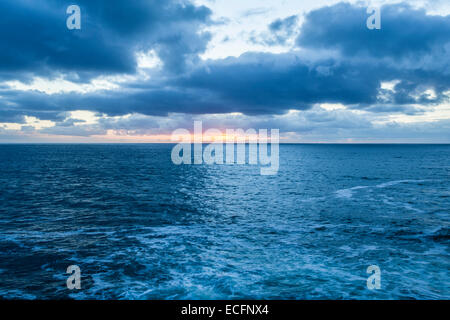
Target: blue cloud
{"x":411,"y":48}
{"x":35,"y":40}
{"x":405,"y":32}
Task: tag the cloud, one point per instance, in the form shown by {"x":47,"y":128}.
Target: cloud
{"x":36,"y":42}
{"x":280,"y":32}
{"x":410,"y":41}
{"x":405,"y":32}
{"x":255,"y":83}
{"x":314,"y":125}
{"x":337,"y":60}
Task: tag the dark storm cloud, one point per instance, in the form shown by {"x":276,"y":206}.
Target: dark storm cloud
{"x":405,"y":32}
{"x":34,"y":39}
{"x":257,"y":83}
{"x":412,"y":47}
{"x":273,"y":83}
{"x":12,"y":116}
{"x":254,"y":83}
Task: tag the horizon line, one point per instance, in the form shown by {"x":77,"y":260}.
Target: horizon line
{"x":207,"y":143}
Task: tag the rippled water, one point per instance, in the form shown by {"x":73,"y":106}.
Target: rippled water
{"x":140,"y":227}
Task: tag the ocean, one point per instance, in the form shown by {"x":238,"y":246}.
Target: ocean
{"x":140,"y":227}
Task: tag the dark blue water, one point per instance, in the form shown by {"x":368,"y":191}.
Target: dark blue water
{"x":140,"y":227}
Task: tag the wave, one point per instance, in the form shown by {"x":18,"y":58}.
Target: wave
{"x":347,"y":193}
{"x":395,"y":182}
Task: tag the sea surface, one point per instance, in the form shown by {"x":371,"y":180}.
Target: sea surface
{"x":140,"y":227}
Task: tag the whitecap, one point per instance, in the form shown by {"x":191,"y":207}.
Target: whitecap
{"x":348,"y":193}
{"x":393,"y":183}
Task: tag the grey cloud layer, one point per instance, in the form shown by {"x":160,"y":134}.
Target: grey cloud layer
{"x":35,"y":40}
{"x":411,"y":47}
{"x":405,"y":32}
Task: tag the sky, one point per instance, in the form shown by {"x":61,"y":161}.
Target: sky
{"x":138,"y":70}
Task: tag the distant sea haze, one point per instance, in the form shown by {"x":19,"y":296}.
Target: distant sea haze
{"x":140,"y":227}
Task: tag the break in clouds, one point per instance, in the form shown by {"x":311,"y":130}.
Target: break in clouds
{"x":333,"y":79}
